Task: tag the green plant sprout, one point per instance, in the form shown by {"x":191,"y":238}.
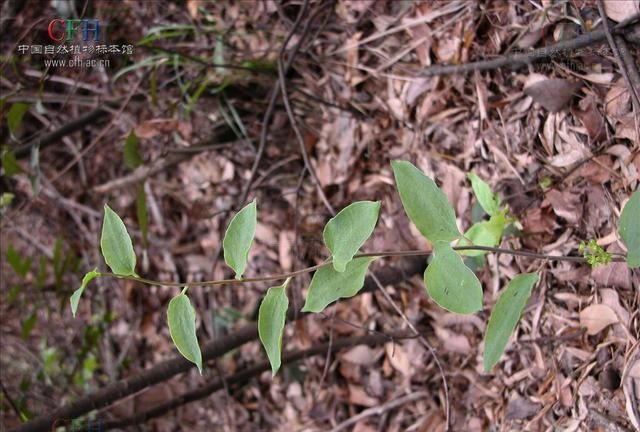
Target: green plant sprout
{"x":448,"y":281}
{"x":594,"y":253}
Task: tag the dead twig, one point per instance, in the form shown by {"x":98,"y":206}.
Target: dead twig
{"x":379,"y":410}
{"x":426,"y":344}
{"x":165,"y":370}
{"x":73,"y":126}
{"x":245,"y":375}
{"x":521,"y":60}
{"x":300,"y":139}
{"x":266,"y":120}
{"x":616,"y":53}
{"x":176,"y":156}
{"x":97,"y":139}
{"x":9,"y":399}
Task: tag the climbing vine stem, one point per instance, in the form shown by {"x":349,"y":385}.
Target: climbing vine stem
{"x":382,"y":254}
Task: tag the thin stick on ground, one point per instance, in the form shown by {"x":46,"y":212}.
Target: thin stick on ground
{"x":616,"y":53}
{"x":379,"y":410}
{"x":245,"y":375}
{"x":427,"y":345}
{"x":266,"y":120}
{"x":410,"y":253}
{"x":525,"y":59}
{"x":300,"y":139}
{"x":210,"y":350}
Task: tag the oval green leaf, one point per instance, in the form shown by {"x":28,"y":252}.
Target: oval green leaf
{"x":116,"y":245}
{"x":629,"y":229}
{"x":345,"y":233}
{"x":15,"y":116}
{"x":328,"y":285}
{"x":130,"y":152}
{"x":489,"y":201}
{"x":425,"y":204}
{"x":450,"y":283}
{"x":485,"y":233}
{"x":10,"y":164}
{"x":182,"y":327}
{"x":75,"y":297}
{"x":505,"y":316}
{"x":271,"y":321}
{"x":238,"y":238}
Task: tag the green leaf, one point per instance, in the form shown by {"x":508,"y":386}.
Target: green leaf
{"x":425,"y":204}
{"x":153,"y":86}
{"x":10,"y":164}
{"x":629,"y":229}
{"x":130,"y":153}
{"x":57,"y":257}
{"x":19,"y":265}
{"x":505,"y":316}
{"x":15,"y":116}
{"x":182,"y":327}
{"x":450,"y":283}
{"x":238,"y":238}
{"x":116,"y":245}
{"x":486,"y":233}
{"x":12,"y":295}
{"x":6,"y":198}
{"x":27,"y":325}
{"x":489,"y":201}
{"x":42,"y":272}
{"x":271,"y":320}
{"x":75,"y":297}
{"x":349,"y":229}
{"x":328,"y":285}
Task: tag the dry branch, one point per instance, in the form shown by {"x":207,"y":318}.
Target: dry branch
{"x":246,"y":374}
{"x":520,"y":60}
{"x":177,"y":365}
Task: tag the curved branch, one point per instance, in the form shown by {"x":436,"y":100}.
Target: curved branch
{"x":520,"y":60}
{"x":246,"y":374}
{"x":410,"y":253}
{"x":177,"y":365}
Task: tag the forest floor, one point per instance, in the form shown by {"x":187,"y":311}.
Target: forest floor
{"x":557,"y":139}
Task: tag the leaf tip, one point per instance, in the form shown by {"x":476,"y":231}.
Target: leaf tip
{"x":74,"y":305}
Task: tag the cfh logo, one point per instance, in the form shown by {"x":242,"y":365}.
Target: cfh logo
{"x":63,"y":29}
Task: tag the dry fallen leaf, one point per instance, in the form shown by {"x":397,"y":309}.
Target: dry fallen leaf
{"x":566,"y":204}
{"x":521,"y":408}
{"x":360,"y":355}
{"x":452,"y":341}
{"x":595,"y":171}
{"x":285,"y":246}
{"x":597,"y":317}
{"x":591,"y":118}
{"x":152,"y":128}
{"x":617,"y":100}
{"x":192,"y":7}
{"x":631,"y":387}
{"x":552,"y":94}
{"x":615,"y":274}
{"x":358,"y":396}
{"x":619,"y":10}
{"x":398,"y":358}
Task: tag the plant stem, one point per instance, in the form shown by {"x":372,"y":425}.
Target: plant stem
{"x":381,"y":254}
